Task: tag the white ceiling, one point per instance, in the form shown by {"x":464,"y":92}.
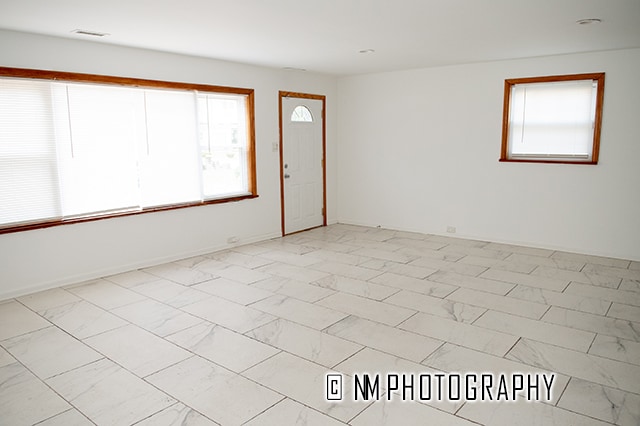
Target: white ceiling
{"x":326,"y":35}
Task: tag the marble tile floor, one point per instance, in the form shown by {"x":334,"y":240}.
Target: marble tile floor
{"x":246,"y":336}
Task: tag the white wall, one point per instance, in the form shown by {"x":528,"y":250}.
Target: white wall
{"x":418,"y":150}
{"x":45,"y":258}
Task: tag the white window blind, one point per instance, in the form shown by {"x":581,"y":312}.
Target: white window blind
{"x":552,"y":119}
{"x":72,"y":150}
{"x":223,"y":128}
{"x":170,"y":167}
{"x":97,"y":155}
{"x":28,"y":166}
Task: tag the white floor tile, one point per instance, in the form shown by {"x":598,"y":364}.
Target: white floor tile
{"x":580,"y":277}
{"x":15,"y":319}
{"x":156,"y":317}
{"x":176,"y":295}
{"x":82,"y":319}
{"x":416,"y":285}
{"x":137,"y":350}
{"x":620,"y":296}
{"x":505,"y":265}
{"x":483,"y":251}
{"x":131,"y":279}
{"x":289,"y":412}
{"x":297,"y":273}
{"x":240,"y":259}
{"x":473,"y":283}
{"x":228,"y":314}
{"x":388,"y":339}
{"x":234,"y":291}
{"x":612,"y":271}
{"x":524,"y":414}
{"x":499,"y":303}
{"x":457,"y":241}
{"x":356,"y":287}
{"x":227,"y":348}
{"x":596,"y":260}
{"x":304,"y":382}
{"x":340,"y":254}
{"x":248,"y":334}
{"x":367,"y":308}
{"x":177,"y":415}
{"x":443,"y":265}
{"x":292,"y":288}
{"x":422,"y":244}
{"x":563,"y":300}
{"x":305,"y":342}
{"x":531,"y":251}
{"x":48,"y":299}
{"x":397,"y":268}
{"x":571,"y":363}
{"x":435,"y":306}
{"x":221,"y":395}
{"x":109,"y":394}
{"x":525,"y":279}
{"x":374,"y":362}
{"x":392,"y":256}
{"x":630,"y":285}
{"x":180,"y":274}
{"x":453,"y":358}
{"x":105,"y":294}
{"x":548,"y":262}
{"x":50,"y":351}
{"x":24,"y":399}
{"x":6,"y":358}
{"x":446,"y":330}
{"x":616,"y":348}
{"x":392,"y":413}
{"x":625,"y":312}
{"x":594,"y":323}
{"x":289,"y":258}
{"x":603,"y":403}
{"x":428,"y":250}
{"x":295,"y":310}
{"x":68,"y":418}
{"x":242,"y":274}
{"x":348,"y":271}
{"x":536,"y":330}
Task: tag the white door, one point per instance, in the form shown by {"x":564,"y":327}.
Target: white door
{"x":302,"y":164}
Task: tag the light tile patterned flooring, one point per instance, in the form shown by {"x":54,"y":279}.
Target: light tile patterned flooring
{"x":246,"y":336}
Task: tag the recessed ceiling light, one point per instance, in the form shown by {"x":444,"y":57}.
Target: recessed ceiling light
{"x":588,"y":21}
{"x":366,"y":51}
{"x":90,"y":33}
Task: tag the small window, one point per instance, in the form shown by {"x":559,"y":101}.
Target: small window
{"x":301,"y":113}
{"x":553,"y":119}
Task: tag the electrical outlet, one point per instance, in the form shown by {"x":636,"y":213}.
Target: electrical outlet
{"x":451,"y":229}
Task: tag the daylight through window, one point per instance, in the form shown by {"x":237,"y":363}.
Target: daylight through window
{"x":553,"y":119}
{"x":76,"y":149}
{"x":301,"y":114}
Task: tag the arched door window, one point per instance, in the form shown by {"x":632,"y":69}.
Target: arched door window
{"x":301,"y":114}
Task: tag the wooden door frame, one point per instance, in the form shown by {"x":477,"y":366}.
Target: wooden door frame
{"x":323,"y":98}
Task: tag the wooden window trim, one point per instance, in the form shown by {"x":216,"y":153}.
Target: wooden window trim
{"x":137,"y":82}
{"x":508,"y":83}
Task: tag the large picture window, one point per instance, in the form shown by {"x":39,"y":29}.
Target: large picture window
{"x":553,"y":119}
{"x":77,"y":147}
